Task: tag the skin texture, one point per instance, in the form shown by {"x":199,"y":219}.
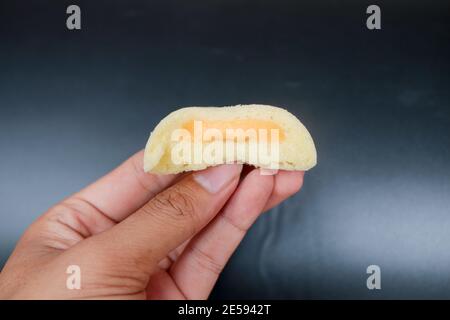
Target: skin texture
{"x":140,"y":236}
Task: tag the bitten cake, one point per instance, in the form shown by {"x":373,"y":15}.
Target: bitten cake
{"x":194,"y":138}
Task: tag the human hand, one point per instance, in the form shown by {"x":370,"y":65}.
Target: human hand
{"x":140,"y":236}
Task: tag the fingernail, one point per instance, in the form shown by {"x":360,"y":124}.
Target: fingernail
{"x":268,"y":172}
{"x":215,"y":178}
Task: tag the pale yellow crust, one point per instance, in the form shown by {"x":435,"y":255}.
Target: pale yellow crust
{"x":297,"y":150}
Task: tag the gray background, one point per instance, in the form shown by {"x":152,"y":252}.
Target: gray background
{"x":73,"y":105}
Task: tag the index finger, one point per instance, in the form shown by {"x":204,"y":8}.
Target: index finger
{"x":125,"y":189}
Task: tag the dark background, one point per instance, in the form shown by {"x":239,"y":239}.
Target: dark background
{"x":74,"y":104}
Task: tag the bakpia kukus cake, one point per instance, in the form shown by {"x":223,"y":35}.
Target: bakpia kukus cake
{"x":194,"y":138}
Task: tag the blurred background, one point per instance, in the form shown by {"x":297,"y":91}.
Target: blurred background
{"x":75,"y":104}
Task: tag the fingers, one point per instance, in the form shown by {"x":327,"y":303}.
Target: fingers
{"x":195,"y":272}
{"x":98,"y":207}
{"x":286,"y":184}
{"x":125,"y":189}
{"x":170,"y":218}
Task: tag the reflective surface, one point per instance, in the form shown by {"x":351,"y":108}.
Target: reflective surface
{"x":73,"y":105}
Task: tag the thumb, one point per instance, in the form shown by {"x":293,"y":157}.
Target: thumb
{"x":170,"y":218}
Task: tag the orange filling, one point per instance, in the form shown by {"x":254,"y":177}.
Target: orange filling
{"x":244,"y":124}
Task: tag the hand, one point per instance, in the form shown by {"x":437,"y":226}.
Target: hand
{"x":140,"y":236}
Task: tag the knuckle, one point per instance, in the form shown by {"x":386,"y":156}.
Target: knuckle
{"x":177,"y":203}
{"x":62,"y":209}
{"x":73,"y":214}
{"x":205,"y":261}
